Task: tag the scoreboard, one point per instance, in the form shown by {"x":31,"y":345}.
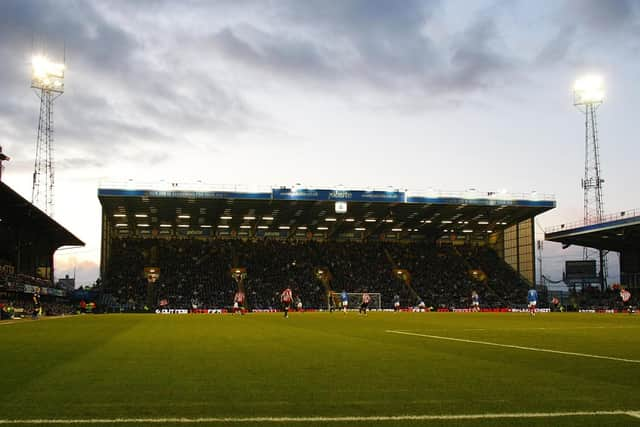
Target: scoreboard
{"x":580,"y":271}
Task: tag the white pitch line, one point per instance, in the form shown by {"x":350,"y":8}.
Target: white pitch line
{"x":518,"y":347}
{"x":182,"y":420}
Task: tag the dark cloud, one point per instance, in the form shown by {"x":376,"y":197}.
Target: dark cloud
{"x":274,"y":53}
{"x":609,"y":16}
{"x":556,"y":49}
{"x":378,"y":35}
{"x":376,"y":45}
{"x":159,"y":71}
{"x":478,"y":60}
{"x":52,"y":25}
{"x":586,"y":30}
{"x":121,"y":91}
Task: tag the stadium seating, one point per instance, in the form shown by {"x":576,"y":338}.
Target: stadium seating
{"x":196,"y":273}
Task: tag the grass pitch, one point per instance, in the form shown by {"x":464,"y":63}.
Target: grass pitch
{"x":322,"y":369}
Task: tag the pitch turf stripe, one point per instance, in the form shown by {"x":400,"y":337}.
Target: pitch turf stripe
{"x":322,"y":419}
{"x":39,"y":319}
{"x":517,"y":347}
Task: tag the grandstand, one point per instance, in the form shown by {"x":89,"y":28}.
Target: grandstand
{"x":617,"y":232}
{"x":28,"y":240}
{"x":177,"y":247}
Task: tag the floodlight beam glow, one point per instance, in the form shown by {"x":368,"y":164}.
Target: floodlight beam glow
{"x":588,"y":90}
{"x":46,"y":74}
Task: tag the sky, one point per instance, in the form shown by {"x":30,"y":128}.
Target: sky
{"x":412,"y":94}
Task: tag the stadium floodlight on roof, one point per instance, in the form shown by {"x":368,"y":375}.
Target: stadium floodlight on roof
{"x":588,"y":95}
{"x":47,"y":77}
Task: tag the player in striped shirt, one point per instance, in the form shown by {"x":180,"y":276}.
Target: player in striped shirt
{"x":286,"y":297}
{"x":366,"y":299}
{"x":626,"y":297}
{"x":238,"y":302}
{"x":475,"y":301}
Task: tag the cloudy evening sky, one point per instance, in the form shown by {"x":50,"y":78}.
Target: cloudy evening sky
{"x":411,"y":94}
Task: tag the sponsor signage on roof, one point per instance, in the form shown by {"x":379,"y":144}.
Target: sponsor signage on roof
{"x":183,"y":194}
{"x":338,"y":195}
{"x":481,"y":202}
{"x":285,"y":193}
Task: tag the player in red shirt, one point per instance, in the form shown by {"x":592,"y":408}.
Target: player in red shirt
{"x":238,"y":302}
{"x":286,"y":297}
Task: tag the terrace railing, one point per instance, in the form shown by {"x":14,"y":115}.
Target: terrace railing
{"x":606,"y":218}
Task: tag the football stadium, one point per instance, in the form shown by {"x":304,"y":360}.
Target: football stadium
{"x":164,"y":338}
{"x":315,"y":305}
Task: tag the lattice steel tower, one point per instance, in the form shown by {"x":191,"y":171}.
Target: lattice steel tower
{"x":588,"y":96}
{"x":48,"y":80}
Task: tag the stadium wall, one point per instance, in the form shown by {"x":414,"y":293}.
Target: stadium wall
{"x":516,"y":246}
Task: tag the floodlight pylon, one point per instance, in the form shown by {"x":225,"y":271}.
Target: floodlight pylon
{"x":48,"y":81}
{"x":588,"y":96}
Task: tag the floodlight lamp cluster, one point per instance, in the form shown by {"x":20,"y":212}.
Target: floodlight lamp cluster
{"x":588,"y":90}
{"x":47,"y":75}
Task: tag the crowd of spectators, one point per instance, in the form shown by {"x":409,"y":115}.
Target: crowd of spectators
{"x":503,"y":284}
{"x":22,"y":305}
{"x":16,"y":298}
{"x":197,"y":273}
{"x":11,"y":279}
{"x":592,"y":298}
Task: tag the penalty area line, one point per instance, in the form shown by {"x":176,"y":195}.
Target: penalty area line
{"x":517,"y":347}
{"x":321,"y":419}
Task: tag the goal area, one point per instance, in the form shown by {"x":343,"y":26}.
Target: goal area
{"x":334,"y":300}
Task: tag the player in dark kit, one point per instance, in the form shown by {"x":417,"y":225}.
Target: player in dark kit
{"x":36,"y":305}
{"x":286,"y":297}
